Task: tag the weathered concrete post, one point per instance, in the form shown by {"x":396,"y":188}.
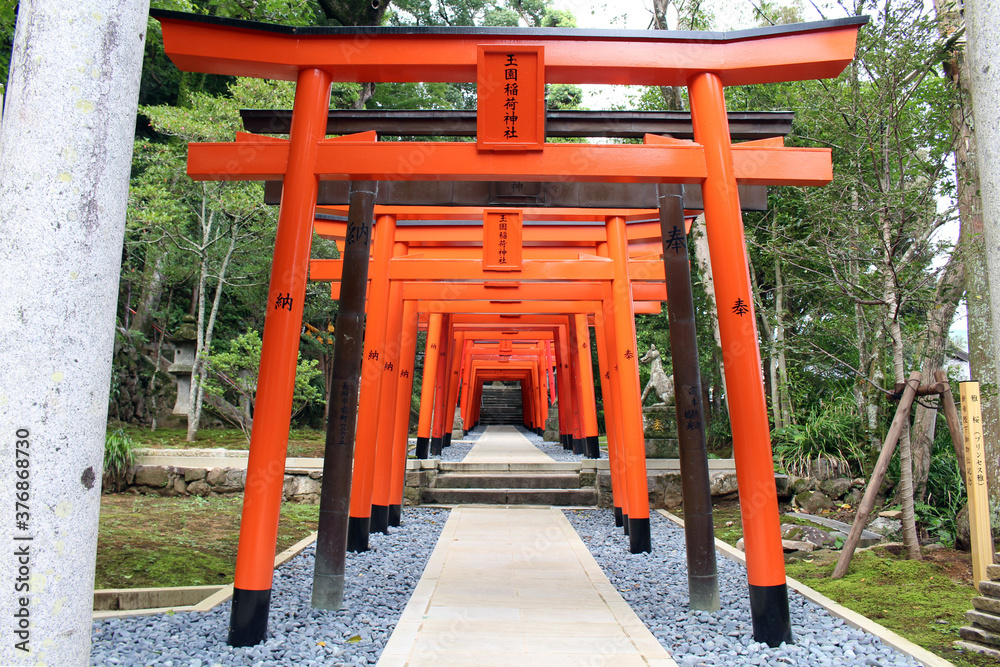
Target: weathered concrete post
{"x":65,"y":155}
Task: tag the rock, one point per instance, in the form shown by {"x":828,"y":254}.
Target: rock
{"x":215,"y":476}
{"x":226,"y":480}
{"x":891,"y":514}
{"x":963,"y":532}
{"x":152,"y":476}
{"x":802,"y":484}
{"x":316,"y":474}
{"x":888,"y":528}
{"x":813,"y":501}
{"x":194,"y":474}
{"x":180,"y":486}
{"x":722,"y":484}
{"x":198,"y":488}
{"x":301,"y":489}
{"x":795,"y":545}
{"x":739,"y":544}
{"x":854,"y":497}
{"x":835,"y":488}
{"x":810,"y":534}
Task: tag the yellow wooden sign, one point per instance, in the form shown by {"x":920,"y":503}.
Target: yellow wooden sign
{"x":975,"y":480}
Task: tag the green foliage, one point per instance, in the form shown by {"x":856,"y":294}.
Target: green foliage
{"x":119,"y":457}
{"x":945,"y":490}
{"x":236,"y":370}
{"x":7,"y":22}
{"x":829,"y":439}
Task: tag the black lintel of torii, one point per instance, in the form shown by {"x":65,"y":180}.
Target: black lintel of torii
{"x":564,"y":124}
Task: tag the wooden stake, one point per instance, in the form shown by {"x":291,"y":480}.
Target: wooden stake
{"x":881,"y":466}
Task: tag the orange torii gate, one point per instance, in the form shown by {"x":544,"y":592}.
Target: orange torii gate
{"x":455,"y":297}
{"x":510,"y":149}
{"x":506,"y":296}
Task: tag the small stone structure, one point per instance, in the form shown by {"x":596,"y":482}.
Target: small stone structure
{"x":184,"y":347}
{"x":659,"y":428}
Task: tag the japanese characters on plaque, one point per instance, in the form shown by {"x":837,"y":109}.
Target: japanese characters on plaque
{"x":502,"y":240}
{"x":511,"y":98}
{"x":972,"y":428}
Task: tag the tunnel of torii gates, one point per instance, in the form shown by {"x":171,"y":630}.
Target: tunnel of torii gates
{"x":511,"y":67}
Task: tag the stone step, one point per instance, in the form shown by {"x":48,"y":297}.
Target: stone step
{"x":980,"y":635}
{"x":585,"y":497}
{"x":507,"y":481}
{"x":990,"y":589}
{"x":978,"y":648}
{"x":993,"y":572}
{"x":984,"y":620}
{"x":494,"y":468}
{"x":989,"y":605}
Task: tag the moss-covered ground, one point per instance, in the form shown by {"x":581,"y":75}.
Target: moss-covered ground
{"x":924,"y":601}
{"x":148,"y":541}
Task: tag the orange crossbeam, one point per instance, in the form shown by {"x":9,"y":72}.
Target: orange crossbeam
{"x":452,"y":161}
{"x":646,"y":58}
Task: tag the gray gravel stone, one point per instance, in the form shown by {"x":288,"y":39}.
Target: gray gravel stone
{"x":378,"y":585}
{"x":655,"y":586}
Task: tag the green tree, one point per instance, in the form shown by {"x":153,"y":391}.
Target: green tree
{"x":234,"y":372}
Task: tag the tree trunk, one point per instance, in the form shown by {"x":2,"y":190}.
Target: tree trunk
{"x":149,"y":300}
{"x":65,"y":157}
{"x":939,"y":319}
{"x":982,"y":355}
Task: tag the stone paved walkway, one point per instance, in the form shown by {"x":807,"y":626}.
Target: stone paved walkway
{"x":503,"y":444}
{"x":516,"y":587}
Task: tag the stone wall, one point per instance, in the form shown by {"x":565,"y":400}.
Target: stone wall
{"x":301,"y":485}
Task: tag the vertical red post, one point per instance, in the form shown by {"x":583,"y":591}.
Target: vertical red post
{"x":575,"y":384}
{"x":441,"y":387}
{"x":588,"y":409}
{"x":388,"y":386}
{"x":626,"y":359}
{"x":401,"y":429}
{"x":278,"y":361}
{"x":563,"y":383}
{"x":616,"y":438}
{"x":359,"y":523}
{"x":428,"y":385}
{"x":741,"y":360}
{"x":454,"y":378}
{"x":610,"y":416}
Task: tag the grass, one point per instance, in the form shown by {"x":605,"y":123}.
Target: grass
{"x":308,"y":443}
{"x":924,"y":601}
{"x":148,"y":541}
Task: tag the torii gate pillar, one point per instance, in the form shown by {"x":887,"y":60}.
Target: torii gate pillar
{"x":741,"y":360}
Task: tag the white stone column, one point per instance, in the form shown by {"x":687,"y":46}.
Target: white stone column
{"x":65,"y":155}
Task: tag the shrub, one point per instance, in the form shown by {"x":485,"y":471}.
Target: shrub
{"x":826,"y":445}
{"x":119,"y":457}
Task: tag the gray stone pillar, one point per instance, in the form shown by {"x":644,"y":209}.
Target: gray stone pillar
{"x":65,"y":155}
{"x":185,"y":343}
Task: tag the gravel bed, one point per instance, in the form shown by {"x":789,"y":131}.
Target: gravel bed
{"x":655,"y":586}
{"x":456,"y":451}
{"x":553,"y":449}
{"x":379,"y":584}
